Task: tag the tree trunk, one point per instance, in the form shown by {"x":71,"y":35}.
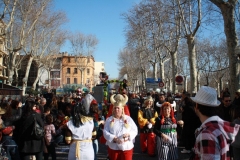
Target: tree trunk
{"x":10,"y":76}
{"x":185,"y":83}
{"x":145,"y":75}
{"x":198,"y":81}
{"x":161,"y":68}
{"x":155,"y":70}
{"x":143,"y":79}
{"x":49,"y":77}
{"x":192,"y":63}
{"x":207,"y":80}
{"x":10,"y":64}
{"x":221,"y":84}
{"x":25,"y":79}
{"x":228,"y":13}
{"x":16,"y":76}
{"x":82,"y":83}
{"x":170,"y":83}
{"x":174,"y":71}
{"x":230,"y":31}
{"x":36,"y":80}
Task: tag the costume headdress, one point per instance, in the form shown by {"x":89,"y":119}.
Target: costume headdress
{"x":119,"y":101}
{"x":149,"y":98}
{"x":81,"y":112}
{"x":171,"y":112}
{"x":88,"y":99}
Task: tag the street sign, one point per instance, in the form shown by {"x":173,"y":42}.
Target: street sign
{"x":179,"y":79}
{"x":153,"y":80}
{"x":152,"y":85}
{"x":161,"y":84}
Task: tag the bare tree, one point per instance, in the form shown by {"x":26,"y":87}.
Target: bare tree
{"x":189,"y":19}
{"x":183,"y":64}
{"x":20,"y":17}
{"x":43,"y":40}
{"x":227,"y":9}
{"x":137,"y":42}
{"x":83,"y":47}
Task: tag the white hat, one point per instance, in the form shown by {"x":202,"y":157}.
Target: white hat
{"x":238,"y":91}
{"x":207,"y":96}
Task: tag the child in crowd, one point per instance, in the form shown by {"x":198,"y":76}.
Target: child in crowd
{"x":49,"y":141}
{"x":45,"y":113}
{"x":9,"y":144}
{"x":49,"y":131}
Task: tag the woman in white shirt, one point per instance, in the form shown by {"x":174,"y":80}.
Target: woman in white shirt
{"x":120,"y":131}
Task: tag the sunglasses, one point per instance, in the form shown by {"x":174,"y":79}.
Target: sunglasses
{"x":228,"y":101}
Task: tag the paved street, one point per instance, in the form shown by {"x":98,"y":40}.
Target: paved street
{"x":137,"y":155}
{"x":62,"y":152}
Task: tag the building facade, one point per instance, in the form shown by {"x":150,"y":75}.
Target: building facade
{"x":55,"y":80}
{"x":78,"y":70}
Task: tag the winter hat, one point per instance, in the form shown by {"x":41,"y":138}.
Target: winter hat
{"x":7,"y":130}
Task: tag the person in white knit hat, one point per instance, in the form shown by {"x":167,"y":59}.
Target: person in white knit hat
{"x":215,"y":135}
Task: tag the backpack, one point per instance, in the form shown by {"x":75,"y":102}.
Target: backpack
{"x":37,"y":131}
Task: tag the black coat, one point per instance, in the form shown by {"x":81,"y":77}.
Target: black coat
{"x":26,"y":143}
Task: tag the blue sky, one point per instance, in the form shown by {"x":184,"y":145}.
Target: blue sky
{"x":103,"y":19}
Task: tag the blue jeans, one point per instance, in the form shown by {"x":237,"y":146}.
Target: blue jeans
{"x":95,"y":148}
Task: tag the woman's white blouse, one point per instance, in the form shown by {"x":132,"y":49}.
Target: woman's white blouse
{"x":117,"y":130}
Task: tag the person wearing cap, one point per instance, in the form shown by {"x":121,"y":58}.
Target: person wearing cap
{"x":165,"y":130}
{"x":120,"y":131}
{"x":214,"y":136}
{"x":9,"y":144}
{"x":118,"y":97}
{"x":125,"y":108}
{"x":146,"y":121}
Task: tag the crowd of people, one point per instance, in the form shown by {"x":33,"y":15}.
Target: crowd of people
{"x":205,"y":125}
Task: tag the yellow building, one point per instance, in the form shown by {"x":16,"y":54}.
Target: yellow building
{"x":78,"y":70}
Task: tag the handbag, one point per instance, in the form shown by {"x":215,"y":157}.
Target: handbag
{"x":38,"y":131}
